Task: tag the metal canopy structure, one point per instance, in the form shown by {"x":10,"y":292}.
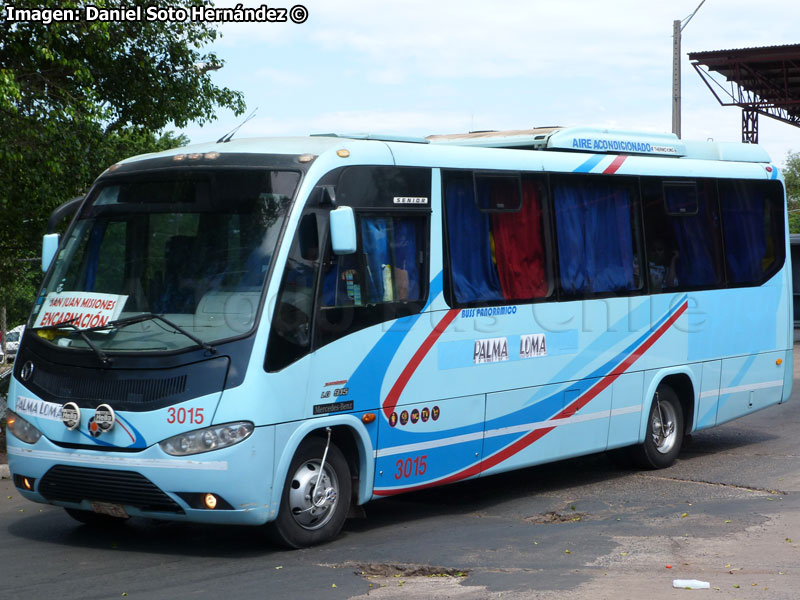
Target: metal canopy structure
{"x":759,"y":80}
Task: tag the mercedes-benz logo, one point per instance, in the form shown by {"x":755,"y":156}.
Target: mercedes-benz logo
{"x":27,"y":371}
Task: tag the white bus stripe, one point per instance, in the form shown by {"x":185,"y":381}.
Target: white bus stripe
{"x":120,"y":461}
{"x":524,"y":428}
{"x":742,"y":388}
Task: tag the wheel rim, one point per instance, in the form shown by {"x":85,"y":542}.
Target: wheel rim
{"x":663,"y":427}
{"x":312,"y":505}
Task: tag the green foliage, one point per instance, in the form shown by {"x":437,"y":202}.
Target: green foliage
{"x":791,"y":173}
{"x":76,"y":97}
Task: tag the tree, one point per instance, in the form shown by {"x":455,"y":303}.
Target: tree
{"x":791,"y":173}
{"x":78,"y":96}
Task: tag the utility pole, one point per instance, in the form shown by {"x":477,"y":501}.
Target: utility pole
{"x":676,"y":78}
{"x":677,"y":28}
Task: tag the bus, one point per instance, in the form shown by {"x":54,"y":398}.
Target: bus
{"x":276,"y":331}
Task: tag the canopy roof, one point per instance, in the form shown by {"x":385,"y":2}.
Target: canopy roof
{"x":765,"y":80}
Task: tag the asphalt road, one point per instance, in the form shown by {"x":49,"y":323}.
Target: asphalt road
{"x":728,"y":513}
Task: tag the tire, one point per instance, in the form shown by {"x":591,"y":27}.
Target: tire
{"x":299,"y":523}
{"x":93,"y":519}
{"x":664,"y":435}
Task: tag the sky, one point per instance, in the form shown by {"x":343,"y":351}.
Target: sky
{"x":420,"y":67}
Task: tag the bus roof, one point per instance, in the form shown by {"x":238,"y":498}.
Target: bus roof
{"x":559,"y":139}
{"x":606,"y":141}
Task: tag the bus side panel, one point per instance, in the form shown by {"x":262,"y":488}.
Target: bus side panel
{"x":429,"y":443}
{"x":536,"y":425}
{"x":749,"y":383}
{"x":708,"y":397}
{"x":518,"y":414}
{"x":626,"y":410}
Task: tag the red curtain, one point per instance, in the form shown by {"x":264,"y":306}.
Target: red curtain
{"x":519,"y":248}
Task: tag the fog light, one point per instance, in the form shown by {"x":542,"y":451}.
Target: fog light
{"x":24,"y":483}
{"x":210,"y":500}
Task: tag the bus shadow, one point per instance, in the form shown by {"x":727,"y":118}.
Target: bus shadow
{"x":538,"y":486}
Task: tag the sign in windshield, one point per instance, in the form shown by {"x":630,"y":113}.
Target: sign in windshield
{"x":81,"y":309}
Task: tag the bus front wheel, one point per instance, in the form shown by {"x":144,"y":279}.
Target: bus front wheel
{"x":315,"y":501}
{"x":664,"y":435}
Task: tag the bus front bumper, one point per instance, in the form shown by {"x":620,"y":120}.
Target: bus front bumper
{"x":151,"y":483}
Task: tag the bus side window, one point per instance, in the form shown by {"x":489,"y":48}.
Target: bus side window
{"x":497,"y":238}
{"x":386,"y":269}
{"x":596,"y":228}
{"x":683,"y":235}
{"x":753,"y":225}
{"x":383,"y":280}
{"x":290,"y":336}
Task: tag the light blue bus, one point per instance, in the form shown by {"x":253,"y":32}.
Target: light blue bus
{"x":276,"y":331}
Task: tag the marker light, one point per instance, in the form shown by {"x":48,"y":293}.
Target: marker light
{"x":210,"y":501}
{"x":779,"y":361}
{"x":21,"y":429}
{"x":343,"y":153}
{"x":367,"y":418}
{"x":211,"y":155}
{"x":305,"y":158}
{"x":207,"y":439}
{"x":26,"y":483}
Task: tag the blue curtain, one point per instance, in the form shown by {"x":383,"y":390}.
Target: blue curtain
{"x":696,"y":236}
{"x":406,"y":256}
{"x":595,"y":239}
{"x":745,"y":240}
{"x":390,"y":246}
{"x":375,"y":239}
{"x":473,"y":270}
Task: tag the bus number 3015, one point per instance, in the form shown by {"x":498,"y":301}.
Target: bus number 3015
{"x":411,"y":466}
{"x":193,"y":416}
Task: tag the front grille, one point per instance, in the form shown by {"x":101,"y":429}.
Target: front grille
{"x":74,"y":484}
{"x":138,"y":391}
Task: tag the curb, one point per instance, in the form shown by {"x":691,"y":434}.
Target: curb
{"x":4,"y":472}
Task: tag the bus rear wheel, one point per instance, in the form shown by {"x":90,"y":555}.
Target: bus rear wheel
{"x":314,"y":504}
{"x":664,"y":435}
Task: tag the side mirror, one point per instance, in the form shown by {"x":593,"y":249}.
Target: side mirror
{"x":343,"y":230}
{"x":49,"y":249}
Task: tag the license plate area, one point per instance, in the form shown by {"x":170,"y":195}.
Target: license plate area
{"x":107,"y":508}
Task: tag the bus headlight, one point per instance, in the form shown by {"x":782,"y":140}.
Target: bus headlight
{"x":22,"y":429}
{"x":207,"y":439}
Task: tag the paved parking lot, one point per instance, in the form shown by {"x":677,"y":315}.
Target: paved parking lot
{"x":728,"y":512}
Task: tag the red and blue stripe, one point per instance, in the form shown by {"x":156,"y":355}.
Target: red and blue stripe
{"x":605,"y":375}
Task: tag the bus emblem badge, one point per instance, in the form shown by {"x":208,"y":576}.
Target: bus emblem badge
{"x":71,"y":416}
{"x":27,"y":371}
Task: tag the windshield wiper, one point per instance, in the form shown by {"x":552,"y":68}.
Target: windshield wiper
{"x":81,"y":332}
{"x":120,"y":323}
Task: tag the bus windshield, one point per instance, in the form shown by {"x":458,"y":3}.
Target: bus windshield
{"x":193,"y":246}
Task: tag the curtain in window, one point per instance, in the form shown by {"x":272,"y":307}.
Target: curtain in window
{"x":519,"y":248}
{"x":375,"y":238}
{"x":696,"y":238}
{"x":406,"y":269}
{"x":595,"y":241}
{"x":393,"y":270}
{"x":471,"y":265}
{"x":745,"y":240}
